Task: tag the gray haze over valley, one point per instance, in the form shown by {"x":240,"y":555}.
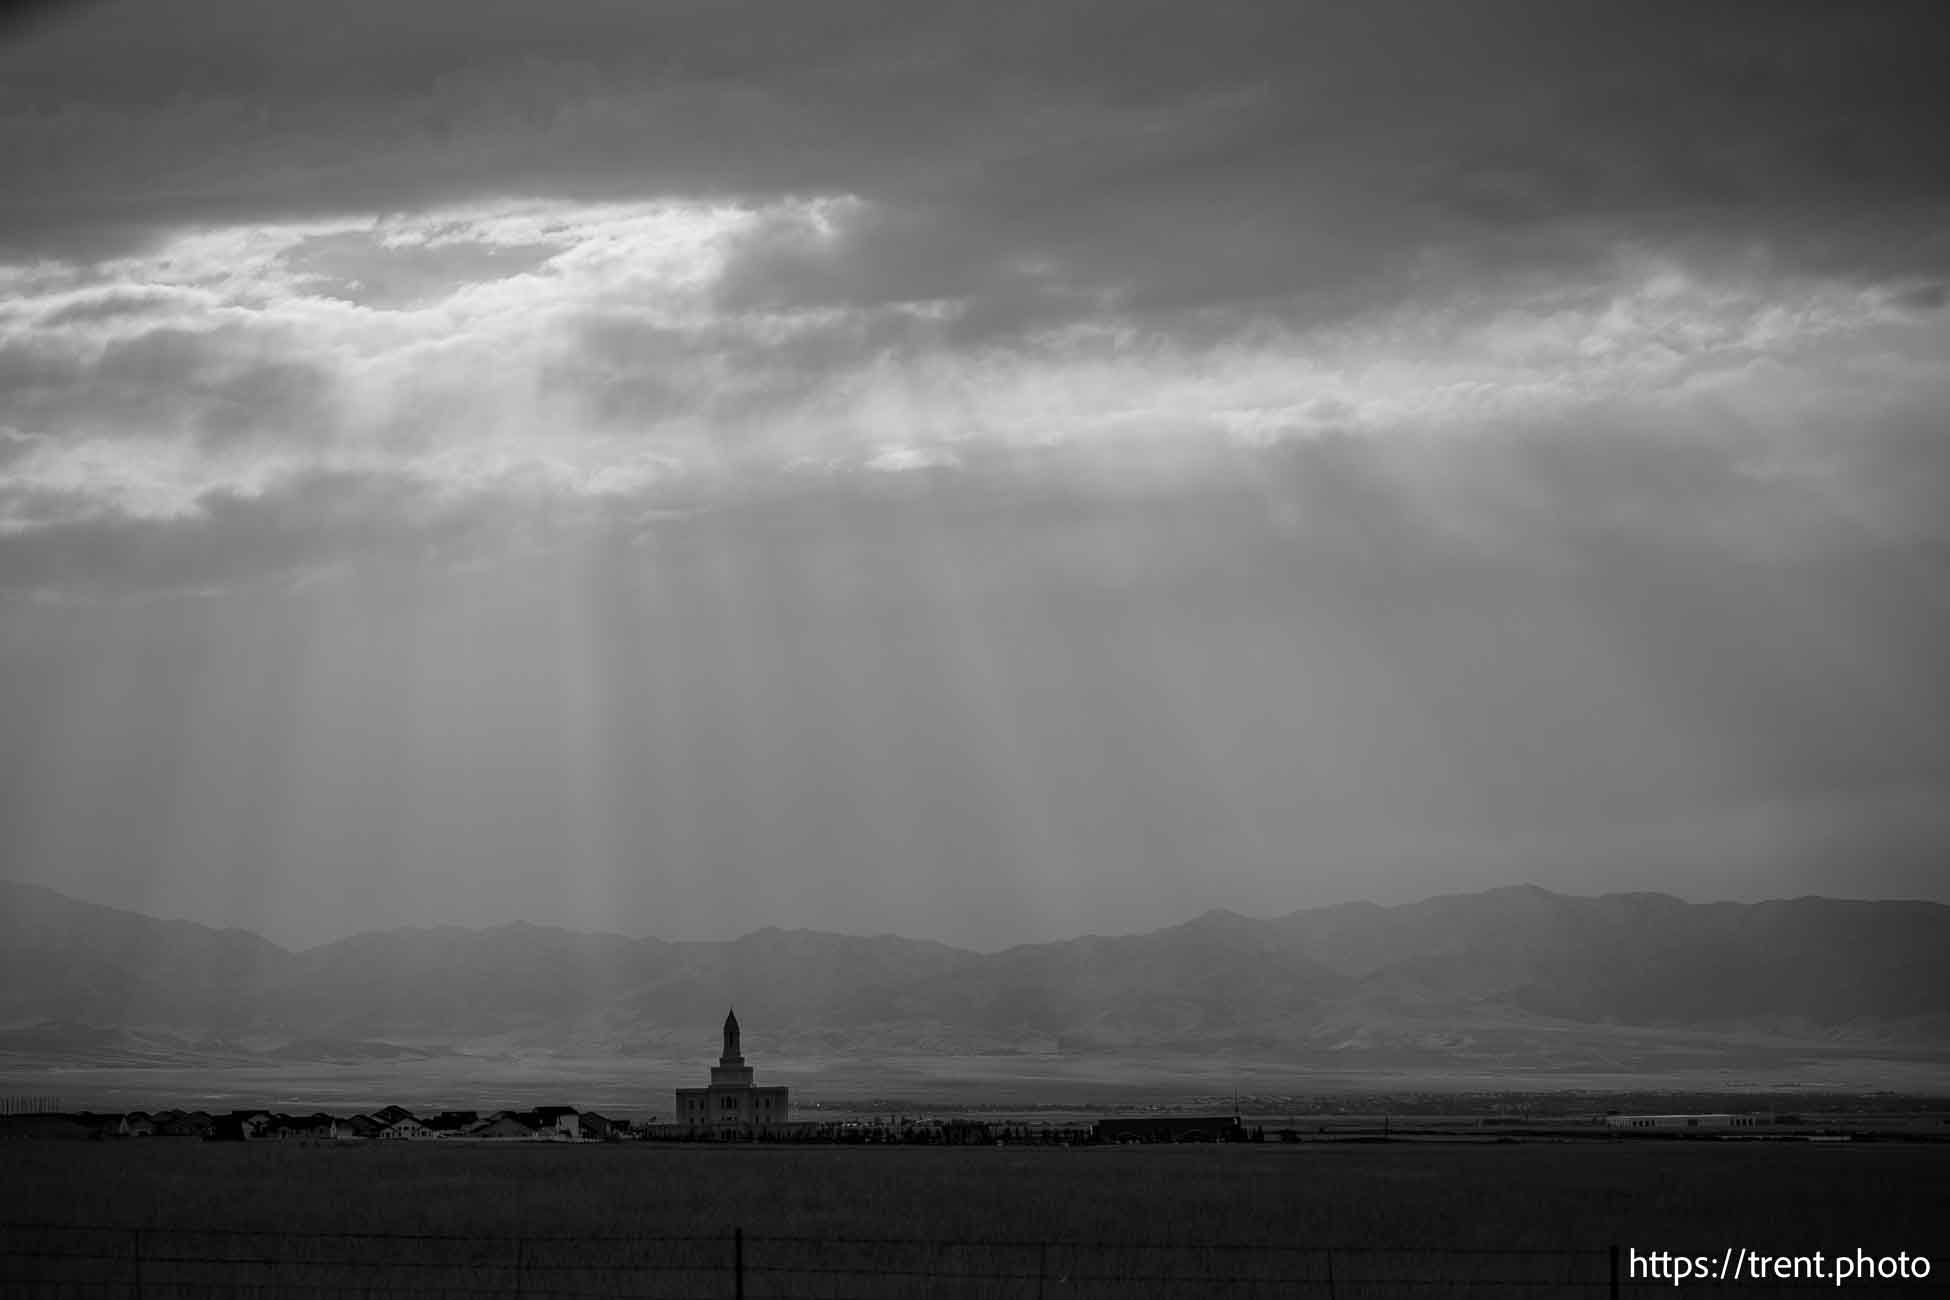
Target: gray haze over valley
{"x":1509,"y":981}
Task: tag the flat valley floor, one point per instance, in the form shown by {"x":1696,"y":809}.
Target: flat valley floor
{"x":642,"y":1088}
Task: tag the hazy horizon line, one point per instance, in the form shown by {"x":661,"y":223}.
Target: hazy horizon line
{"x":1520,"y":886}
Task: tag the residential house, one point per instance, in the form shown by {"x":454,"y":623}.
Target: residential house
{"x":559,"y":1122}
{"x":137,"y":1124}
{"x":407,"y":1130}
{"x":195,"y":1124}
{"x":505,"y":1124}
{"x":100,"y":1124}
{"x":240,"y":1126}
{"x":306,"y":1128}
{"x":453,"y":1123}
{"x":360,"y":1126}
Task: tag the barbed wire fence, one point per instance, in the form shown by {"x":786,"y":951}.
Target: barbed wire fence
{"x":147,"y":1263}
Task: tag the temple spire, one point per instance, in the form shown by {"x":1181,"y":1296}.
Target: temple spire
{"x":732,"y":1056}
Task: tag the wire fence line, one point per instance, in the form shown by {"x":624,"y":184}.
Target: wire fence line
{"x":149,"y":1263}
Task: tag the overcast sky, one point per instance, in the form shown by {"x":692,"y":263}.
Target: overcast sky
{"x":986,"y":472}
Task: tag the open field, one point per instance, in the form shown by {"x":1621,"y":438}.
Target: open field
{"x":1264,"y":1216}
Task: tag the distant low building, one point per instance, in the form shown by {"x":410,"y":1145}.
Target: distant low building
{"x":731,"y":1105}
{"x":1171,"y":1128}
{"x":407,"y":1130}
{"x":1682,"y":1123}
{"x":137,"y":1124}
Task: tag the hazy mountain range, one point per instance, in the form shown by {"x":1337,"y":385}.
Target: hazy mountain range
{"x":1510,"y":973}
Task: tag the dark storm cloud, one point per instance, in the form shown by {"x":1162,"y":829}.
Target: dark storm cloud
{"x":218,"y":386}
{"x":31,"y":368}
{"x":15,"y":445}
{"x":113,"y":306}
{"x":1169,"y":156}
{"x":1924,"y":298}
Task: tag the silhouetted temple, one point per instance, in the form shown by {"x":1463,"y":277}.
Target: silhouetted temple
{"x":731,"y":1104}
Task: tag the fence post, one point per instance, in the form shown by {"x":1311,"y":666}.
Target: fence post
{"x":1614,"y":1271}
{"x":1042,"y":1269}
{"x":135,"y":1253}
{"x":521,"y":1266}
{"x":738,"y":1262}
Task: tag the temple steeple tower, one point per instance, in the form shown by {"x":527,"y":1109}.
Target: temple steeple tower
{"x":732,"y":1106}
{"x":731,"y":1068}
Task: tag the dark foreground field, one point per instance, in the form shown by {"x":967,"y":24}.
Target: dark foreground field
{"x":188,"y":1219}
